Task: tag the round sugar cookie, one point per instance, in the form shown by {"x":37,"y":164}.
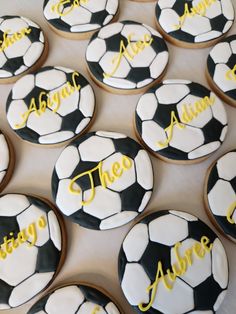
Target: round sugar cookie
{"x":180,"y":121}
{"x":171,"y":262}
{"x":127,"y":57}
{"x":220,"y":194}
{"x":32,"y":238}
{"x":194,"y":23}
{"x":51,"y":106}
{"x":76,"y":298}
{"x":221,"y":69}
{"x":79,"y":19}
{"x":7,"y":160}
{"x":102,"y":180}
{"x":23,"y":47}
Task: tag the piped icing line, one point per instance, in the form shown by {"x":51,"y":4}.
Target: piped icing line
{"x":58,"y":7}
{"x":177,"y":269}
{"x":10,"y":39}
{"x":230,"y":212}
{"x":106,"y":178}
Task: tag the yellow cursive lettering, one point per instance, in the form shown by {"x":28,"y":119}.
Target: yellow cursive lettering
{"x":60,"y":9}
{"x":230,"y":213}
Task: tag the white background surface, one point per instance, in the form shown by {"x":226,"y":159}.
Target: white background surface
{"x":92,"y":255}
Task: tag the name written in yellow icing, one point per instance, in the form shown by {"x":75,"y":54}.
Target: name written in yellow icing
{"x":28,"y":234}
{"x":106,"y":178}
{"x":199,"y":9}
{"x":61,"y":10}
{"x":199,"y":249}
{"x":9,"y":39}
{"x":230,"y":75}
{"x":189,"y":113}
{"x":53,"y":101}
{"x":129,"y":51}
{"x":96,"y":309}
{"x":230,"y":213}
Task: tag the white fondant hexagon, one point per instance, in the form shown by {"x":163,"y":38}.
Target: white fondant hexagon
{"x":144,"y":58}
{"x":200,"y":269}
{"x":228,"y":9}
{"x":64,"y":300}
{"x":159,"y":63}
{"x":145,"y":200}
{"x":87,"y":101}
{"x":110,"y":30}
{"x":78,"y":15}
{"x":33,"y":53}
{"x":181,"y":292}
{"x":226,"y":166}
{"x":113,"y":135}
{"x":152,"y":134}
{"x":137,"y":32}
{"x":136,"y":242}
{"x":168,"y":230}
{"x":204,"y":150}
{"x":168,"y":20}
{"x":220,"y":269}
{"x":221,"y":197}
{"x":134,"y":284}
{"x":196,"y":26}
{"x":56,"y":137}
{"x":14,"y":24}
{"x":96,"y":148}
{"x":108,"y":65}
{"x":220,"y":300}
{"x":88,"y":307}
{"x":189,"y":102}
{"x":67,"y":162}
{"x":20,"y":48}
{"x":55,"y":230}
{"x":14,"y":114}
{"x":3,"y":59}
{"x":13,"y":204}
{"x":47,"y":122}
{"x":67,"y":202}
{"x":111,"y":308}
{"x":23,"y":87}
{"x":171,"y":93}
{"x":213,"y":10}
{"x":220,"y":80}
{"x":4,"y":153}
{"x":186,"y":139}
{"x":218,"y":110}
{"x":127,"y":177}
{"x":144,"y":170}
{"x":117,"y":220}
{"x":95,"y":50}
{"x":147,"y":106}
{"x":105,"y":203}
{"x":32,"y":216}
{"x":95,"y":6}
{"x":82,"y":125}
{"x":19,"y":265}
{"x":50,"y":79}
{"x":221,"y":52}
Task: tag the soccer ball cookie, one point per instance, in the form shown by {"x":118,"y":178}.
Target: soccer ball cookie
{"x":79,"y":19}
{"x":171,"y":262}
{"x":221,"y":69}
{"x":75,"y":299}
{"x":127,"y":57}
{"x":180,"y":121}
{"x":51,"y":106}
{"x":7,"y":160}
{"x":102,"y":180}
{"x":32,"y":248}
{"x":194,"y":23}
{"x":220,"y":194}
{"x":23,"y":47}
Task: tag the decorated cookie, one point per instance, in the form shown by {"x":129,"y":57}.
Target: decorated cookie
{"x":171,"y":262}
{"x":7,"y":160}
{"x":51,"y":106}
{"x":221,"y":69}
{"x":194,"y":23}
{"x":181,"y":121}
{"x":127,"y":57}
{"x":102,"y":180}
{"x":23,"y":47}
{"x":32,"y":248}
{"x":220,"y":194}
{"x":75,"y":299}
{"x":79,"y":19}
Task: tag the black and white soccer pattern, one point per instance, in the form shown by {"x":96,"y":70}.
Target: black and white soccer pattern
{"x":221,"y":192}
{"x":88,"y":16}
{"x":23,"y":54}
{"x":200,"y":137}
{"x":75,"y":299}
{"x":4,"y":157}
{"x":51,"y":126}
{"x":119,"y":202}
{"x":200,"y":290}
{"x":203,"y":27}
{"x":144,"y":68}
{"x":221,"y":60}
{"x":27,"y":270}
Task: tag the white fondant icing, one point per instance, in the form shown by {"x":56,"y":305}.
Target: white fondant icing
{"x":220,"y":80}
{"x":105,"y":203}
{"x":108,"y":66}
{"x":88,"y":307}
{"x":220,"y":300}
{"x":50,"y":79}
{"x":110,"y":30}
{"x":99,"y":47}
{"x":56,"y":137}
{"x":29,"y":288}
{"x":218,"y":110}
{"x":87,"y":101}
{"x":136,"y":242}
{"x":221,"y":52}
{"x":204,"y":150}
{"x":64,"y":300}
{"x":144,"y":83}
{"x":196,"y":26}
{"x":159,"y":63}
{"x":110,"y":134}
{"x":13,"y":204}
{"x":55,"y":230}
{"x":147,"y":112}
{"x":145,"y":201}
{"x":208,"y":36}
{"x":226,"y":166}
{"x":183,"y":215}
{"x":16,"y":109}
{"x":177,"y":230}
{"x":82,"y":125}
{"x":23,"y":87}
{"x":4,"y":156}
{"x":144,"y":174}
{"x":171,"y":93}
{"x":220,"y":264}
{"x":33,"y":53}
{"x":117,"y":220}
{"x":67,"y":162}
